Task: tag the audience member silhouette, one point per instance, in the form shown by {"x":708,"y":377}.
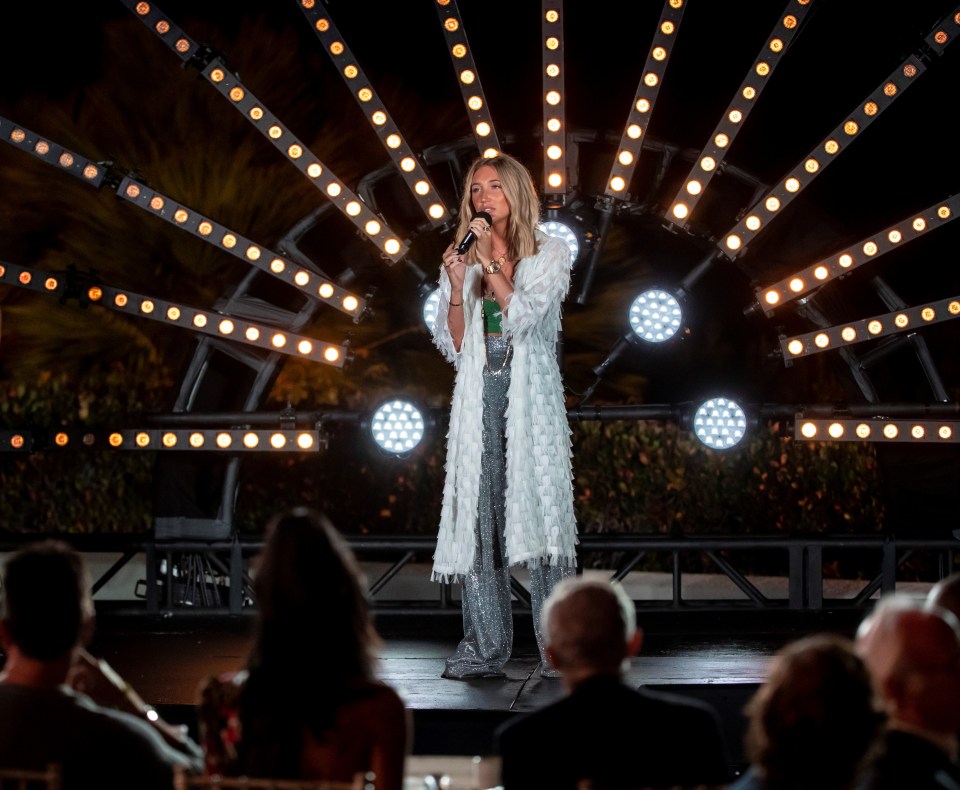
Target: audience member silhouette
{"x":604,"y":734}
{"x":47,"y":615}
{"x":913,"y":654}
{"x":814,"y":721}
{"x":308,"y":704}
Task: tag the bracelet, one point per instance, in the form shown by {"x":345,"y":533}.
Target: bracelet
{"x":456,"y":304}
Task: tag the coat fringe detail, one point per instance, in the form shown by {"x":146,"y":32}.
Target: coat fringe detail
{"x":540,"y":523}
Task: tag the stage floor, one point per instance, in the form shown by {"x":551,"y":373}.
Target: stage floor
{"x":719,"y":657}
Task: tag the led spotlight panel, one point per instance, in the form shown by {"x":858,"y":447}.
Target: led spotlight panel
{"x":856,"y":255}
{"x":48,"y":151}
{"x":468,"y":78}
{"x":907,"y":320}
{"x":554,"y":100}
{"x":631,"y":141}
{"x":262,"y":336}
{"x":768,"y":207}
{"x":397,"y":427}
{"x":375,"y":111}
{"x":158,"y":22}
{"x":945,"y":32}
{"x":720,"y":423}
{"x":655,"y":316}
{"x":735,"y":116}
{"x":189,"y":440}
{"x":312,"y":285}
{"x":876,"y":429}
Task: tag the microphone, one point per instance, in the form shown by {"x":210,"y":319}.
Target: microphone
{"x":471,"y":237}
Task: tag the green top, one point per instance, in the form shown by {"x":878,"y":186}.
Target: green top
{"x":492,"y":317}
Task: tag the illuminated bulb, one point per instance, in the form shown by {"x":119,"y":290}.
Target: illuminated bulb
{"x":808,"y":429}
{"x":483,"y":129}
{"x":224,"y":440}
{"x":304,"y":347}
{"x":625,"y":158}
{"x":753,"y":222}
{"x":421,"y":188}
{"x":772,"y":203}
{"x":391,"y":246}
{"x":849,"y":334}
{"x":301,"y":278}
{"x":733,"y":242}
{"x":796,"y":285}
{"x":694,"y":187}
{"x":350,"y":303}
{"x":277,"y":265}
{"x":945,"y":432}
{"x":863,"y":430}
{"x":279,"y":340}
{"x":820,"y":272}
{"x":250,"y":440}
{"x":555,"y":180}
{"x":554,"y":152}
{"x":406,"y":164}
{"x":226,"y":327}
{"x":617,"y":184}
{"x":325,"y":291}
{"x":791,"y":185}
{"x":821,"y":340}
{"x":314,"y":170}
{"x":352,"y":208}
{"x":795,"y":347}
{"x":435,"y":211}
{"x":331,"y":354}
{"x":252,"y":334}
{"x":771,"y":297}
{"x":278,"y":441}
{"x":554,"y":125}
{"x":304,"y":441}
{"x":680,"y":211}
{"x":890,"y":431}
{"x":634,"y":131}
{"x":835,"y":430}
{"x":845,"y":260}
{"x":708,"y":163}
{"x":372,"y":227}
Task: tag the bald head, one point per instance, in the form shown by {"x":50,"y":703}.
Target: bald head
{"x":946,"y":594}
{"x":589,"y":626}
{"x":913,"y":655}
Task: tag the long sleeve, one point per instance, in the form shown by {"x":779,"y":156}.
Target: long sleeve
{"x":539,"y":289}
{"x":442,"y":338}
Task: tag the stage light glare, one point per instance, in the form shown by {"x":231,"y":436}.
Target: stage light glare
{"x":655,"y":316}
{"x":680,"y":211}
{"x":430,"y":306}
{"x":250,"y":440}
{"x":350,"y":303}
{"x":564,"y":233}
{"x":278,"y":441}
{"x":304,"y":441}
{"x":720,"y":423}
{"x":397,"y":427}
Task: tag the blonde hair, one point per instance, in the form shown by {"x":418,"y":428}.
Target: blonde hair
{"x":521,"y":195}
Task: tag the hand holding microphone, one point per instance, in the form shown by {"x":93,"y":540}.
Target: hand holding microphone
{"x":472,"y":236}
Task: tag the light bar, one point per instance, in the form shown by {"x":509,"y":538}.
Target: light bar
{"x":713,"y":154}
{"x":407,"y":164}
{"x":554,"y":97}
{"x":944,"y":32}
{"x":48,"y":151}
{"x":262,"y":336}
{"x":312,"y":285}
{"x":171,"y":35}
{"x":856,"y":255}
{"x":877,"y":429}
{"x":908,"y":319}
{"x":628,"y":151}
{"x":16,"y":442}
{"x":374,"y":228}
{"x":165,"y":439}
{"x":468,"y":78}
{"x":766,"y":209}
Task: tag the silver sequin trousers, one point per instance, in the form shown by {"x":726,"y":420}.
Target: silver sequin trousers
{"x":485,"y":590}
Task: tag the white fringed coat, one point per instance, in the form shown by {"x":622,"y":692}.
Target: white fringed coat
{"x":540,"y":526}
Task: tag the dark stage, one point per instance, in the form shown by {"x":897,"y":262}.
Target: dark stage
{"x":718,"y":657}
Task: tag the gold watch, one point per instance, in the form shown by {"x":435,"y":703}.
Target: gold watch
{"x":494,"y":266}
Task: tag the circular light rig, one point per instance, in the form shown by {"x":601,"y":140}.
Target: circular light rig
{"x":655,"y":316}
{"x":397,"y":427}
{"x":720,"y":423}
{"x":430,"y":306}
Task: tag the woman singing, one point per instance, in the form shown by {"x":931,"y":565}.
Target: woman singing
{"x":508,"y":494}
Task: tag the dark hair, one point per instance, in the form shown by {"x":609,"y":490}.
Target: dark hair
{"x":45,"y":599}
{"x":814,"y":720}
{"x":314,"y":641}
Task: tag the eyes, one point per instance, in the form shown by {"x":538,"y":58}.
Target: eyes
{"x":474,"y":188}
